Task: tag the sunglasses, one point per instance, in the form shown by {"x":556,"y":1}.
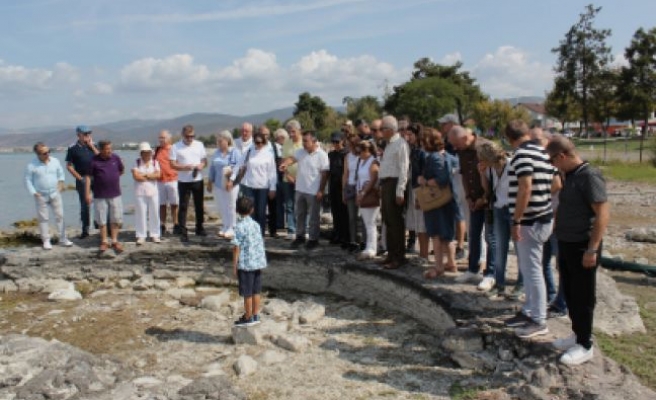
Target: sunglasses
{"x":44,"y":153}
{"x":189,"y":136}
{"x":258,"y":142}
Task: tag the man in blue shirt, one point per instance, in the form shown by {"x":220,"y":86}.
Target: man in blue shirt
{"x":78,"y":160}
{"x":44,"y":179}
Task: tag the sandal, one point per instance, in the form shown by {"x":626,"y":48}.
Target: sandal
{"x":452,"y":268}
{"x":433,"y":273}
{"x":118,"y":248}
{"x":104,"y":246}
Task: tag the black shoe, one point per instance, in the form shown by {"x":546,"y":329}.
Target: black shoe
{"x":184,"y":237}
{"x":297,"y":242}
{"x":517,"y":320}
{"x":344,"y":246}
{"x":162,"y":230}
{"x":312,"y":244}
{"x":83,"y":235}
{"x":201,"y":232}
{"x":177,"y":230}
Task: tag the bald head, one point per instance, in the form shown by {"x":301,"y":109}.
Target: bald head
{"x":164,"y":137}
{"x":539,"y":136}
{"x":460,"y":137}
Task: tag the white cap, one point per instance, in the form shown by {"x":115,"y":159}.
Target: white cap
{"x":145,"y":146}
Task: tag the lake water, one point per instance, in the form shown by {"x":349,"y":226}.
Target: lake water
{"x":16,"y":203}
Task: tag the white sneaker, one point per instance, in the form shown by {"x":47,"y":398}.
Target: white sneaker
{"x":467,"y":277}
{"x":140,"y":241}
{"x":487,"y":284}
{"x":290,"y":236}
{"x":157,"y":240}
{"x":47,"y":245}
{"x":364,"y":256}
{"x":576,"y":355}
{"x":565,"y":343}
{"x":66,"y":243}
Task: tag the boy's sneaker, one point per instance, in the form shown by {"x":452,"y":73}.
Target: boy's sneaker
{"x":531,"y":329}
{"x":565,"y":343}
{"x":487,"y":283}
{"x":256,"y":319}
{"x":518,"y":319}
{"x":553,"y":312}
{"x":242,"y":321}
{"x":66,"y":243}
{"x":576,"y":355}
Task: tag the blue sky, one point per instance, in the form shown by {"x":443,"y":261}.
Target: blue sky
{"x":65,"y":62}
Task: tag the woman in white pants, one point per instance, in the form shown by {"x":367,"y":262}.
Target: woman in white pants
{"x":146,"y":172}
{"x":366,"y":180}
{"x":222,"y":164}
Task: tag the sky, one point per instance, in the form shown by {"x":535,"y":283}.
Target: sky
{"x":68,"y":62}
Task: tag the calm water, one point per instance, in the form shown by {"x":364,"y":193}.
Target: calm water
{"x":17,"y":204}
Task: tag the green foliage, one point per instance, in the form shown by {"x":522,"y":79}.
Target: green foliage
{"x":604,"y":104}
{"x":273,"y":124}
{"x":208,"y":141}
{"x":494,"y":115}
{"x":627,"y":172}
{"x":367,"y":107}
{"x":312,"y":110}
{"x":561,"y":103}
{"x":582,"y":56}
{"x":444,"y":88}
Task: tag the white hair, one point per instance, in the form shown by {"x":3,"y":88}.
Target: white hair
{"x":227,"y":135}
{"x":281,"y":132}
{"x":390,"y":122}
{"x":166,"y":134}
{"x":293,"y":124}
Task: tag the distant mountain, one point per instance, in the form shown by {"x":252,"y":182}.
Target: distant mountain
{"x":138,"y":130}
{"x":525,"y":99}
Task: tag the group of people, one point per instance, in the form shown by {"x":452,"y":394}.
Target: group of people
{"x":382,"y":169}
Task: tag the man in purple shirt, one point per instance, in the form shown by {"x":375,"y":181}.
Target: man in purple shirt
{"x":104,"y":178}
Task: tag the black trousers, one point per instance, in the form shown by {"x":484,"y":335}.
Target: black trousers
{"x":340,"y":214}
{"x":579,"y":287}
{"x":185,"y":190}
{"x":272,"y":214}
{"x":393,"y":220}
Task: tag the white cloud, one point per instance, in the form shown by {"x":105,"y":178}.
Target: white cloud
{"x":509,"y":72}
{"x":16,"y":78}
{"x":176,"y":71}
{"x":65,"y":72}
{"x":451,"y":59}
{"x":619,"y":61}
{"x":101,"y":88}
{"x":257,"y":64}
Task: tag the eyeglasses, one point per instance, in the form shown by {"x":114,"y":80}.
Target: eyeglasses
{"x":44,"y":153}
{"x":189,"y":136}
{"x":258,"y":142}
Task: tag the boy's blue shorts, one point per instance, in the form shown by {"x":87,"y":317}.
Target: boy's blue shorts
{"x":250,"y":282}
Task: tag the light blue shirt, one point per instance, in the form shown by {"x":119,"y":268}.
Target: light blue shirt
{"x":220,"y":161}
{"x":248,"y":238}
{"x":42,"y":178}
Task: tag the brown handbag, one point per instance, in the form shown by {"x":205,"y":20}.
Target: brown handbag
{"x":371,"y":198}
{"x":433,"y":197}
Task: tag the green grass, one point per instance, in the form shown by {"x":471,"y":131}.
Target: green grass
{"x":458,"y":392}
{"x":636,"y":351}
{"x":627,"y":172}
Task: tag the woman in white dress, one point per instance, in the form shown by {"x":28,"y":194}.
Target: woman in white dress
{"x":223,"y":162}
{"x":146,"y":172}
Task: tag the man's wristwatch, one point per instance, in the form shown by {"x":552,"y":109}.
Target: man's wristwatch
{"x":516,"y":222}
{"x":591,"y":251}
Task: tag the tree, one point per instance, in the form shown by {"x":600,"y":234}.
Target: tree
{"x":367,"y":107}
{"x":463,"y":89}
{"x":273,"y":124}
{"x":641,"y":75}
{"x":426,"y":100}
{"x":560,"y":103}
{"x":495,"y":115}
{"x":313,"y":109}
{"x":582,"y":55}
{"x":604,"y":103}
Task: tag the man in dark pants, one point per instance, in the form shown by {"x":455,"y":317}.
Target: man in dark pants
{"x":78,"y":160}
{"x":340,"y":234}
{"x":189,"y":157}
{"x":581,"y":221}
{"x":393,"y":177}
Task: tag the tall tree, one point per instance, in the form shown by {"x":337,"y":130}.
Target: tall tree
{"x":464,"y":90}
{"x":273,"y":124}
{"x":641,"y":75}
{"x":560,"y":103}
{"x":367,"y":107}
{"x":604,"y":104}
{"x":582,"y":55}
{"x":426,"y":100}
{"x":313,"y":108}
{"x":494,"y":115}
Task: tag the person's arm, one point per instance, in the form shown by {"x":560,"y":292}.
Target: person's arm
{"x":403,"y":166}
{"x":158,"y":171}
{"x":373,"y":178}
{"x":29,"y":181}
{"x":322,"y":185}
{"x":272,"y":177}
{"x":72,"y":171}
{"x":556,"y":183}
{"x":138,"y":176}
{"x":235,"y":260}
{"x":524,"y":184}
{"x":203,"y":163}
{"x":87,"y":188}
{"x":602,"y":216}
{"x":61,"y":177}
{"x":211,"y":176}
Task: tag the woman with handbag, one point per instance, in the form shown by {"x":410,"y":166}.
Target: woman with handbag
{"x":146,"y":172}
{"x":368,"y":197}
{"x":349,"y":192}
{"x":440,"y":221}
{"x":223,"y":162}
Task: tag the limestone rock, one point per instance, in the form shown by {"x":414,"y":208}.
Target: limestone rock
{"x":528,"y":392}
{"x":162,"y":284}
{"x":54,"y":285}
{"x":270,"y":328}
{"x":293,"y":343}
{"x":184,"y":281}
{"x":245,"y":365}
{"x":178,"y":293}
{"x":144,"y":283}
{"x":147,"y":381}
{"x":615,"y":312}
{"x":246,"y":335}
{"x":63,"y":295}
{"x":123,"y":283}
{"x":311,"y":312}
{"x":270,"y":357}
{"x":647,"y":235}
{"x":215,"y":387}
{"x":463,"y":340}
{"x":8,"y":286}
{"x":214,"y":369}
{"x":215,"y":302}
{"x":278,"y":308}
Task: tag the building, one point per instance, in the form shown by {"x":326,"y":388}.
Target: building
{"x":539,"y":116}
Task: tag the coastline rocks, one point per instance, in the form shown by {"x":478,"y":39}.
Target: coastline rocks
{"x":246,"y":335}
{"x":310,"y":312}
{"x":647,"y":235}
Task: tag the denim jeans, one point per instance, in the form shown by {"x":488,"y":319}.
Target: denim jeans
{"x":555,"y":297}
{"x":501,"y":228}
{"x":529,"y":258}
{"x":476,"y":227}
{"x":289,"y":198}
{"x":260,"y":198}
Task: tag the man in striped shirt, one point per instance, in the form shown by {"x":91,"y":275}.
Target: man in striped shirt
{"x":531,"y":175}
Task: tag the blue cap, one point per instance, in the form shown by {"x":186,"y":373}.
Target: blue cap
{"x":83,"y":129}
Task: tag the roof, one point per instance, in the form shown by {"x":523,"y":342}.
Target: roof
{"x":537,"y":108}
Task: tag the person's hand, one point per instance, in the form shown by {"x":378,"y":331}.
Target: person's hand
{"x":358,"y":199}
{"x":319,"y":195}
{"x":60,"y":187}
{"x":272,"y":194}
{"x":234,"y":271}
{"x":88,"y":198}
{"x":400,"y":200}
{"x":229,"y":185}
{"x":421,"y":180}
{"x":479,"y":204}
{"x":589,"y":260}
{"x":37,"y":195}
{"x":514,"y":233}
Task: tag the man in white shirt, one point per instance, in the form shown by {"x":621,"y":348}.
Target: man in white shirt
{"x":311,"y":179}
{"x":189,"y":157}
{"x":243,"y":143}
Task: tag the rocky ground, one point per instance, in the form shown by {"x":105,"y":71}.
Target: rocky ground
{"x":141,"y":326}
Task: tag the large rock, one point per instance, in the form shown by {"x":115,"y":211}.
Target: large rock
{"x":463,"y":340}
{"x":144,"y":283}
{"x":615,"y":313}
{"x":178,"y":293}
{"x":270,"y":357}
{"x":64,"y":295}
{"x":293,"y":343}
{"x":184,"y":281}
{"x":641,"y":235}
{"x":278,"y":308}
{"x":215,"y":387}
{"x":310,"y":312}
{"x":245,"y":365}
{"x":8,"y":286}
{"x":215,"y":302}
{"x":270,"y":328}
{"x":246,"y":335}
